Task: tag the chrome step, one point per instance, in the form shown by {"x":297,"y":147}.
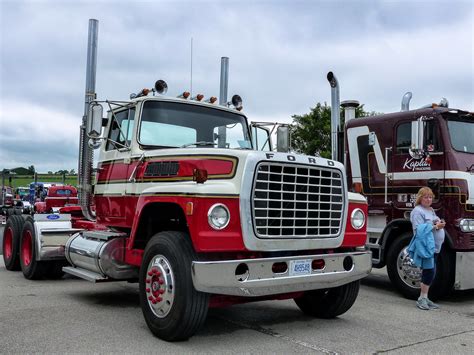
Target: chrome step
{"x":85,"y":274}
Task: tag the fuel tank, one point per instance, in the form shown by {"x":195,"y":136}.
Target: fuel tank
{"x":101,"y":252}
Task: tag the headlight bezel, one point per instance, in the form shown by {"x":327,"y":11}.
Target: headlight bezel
{"x":210,"y":218}
{"x":353,"y":215}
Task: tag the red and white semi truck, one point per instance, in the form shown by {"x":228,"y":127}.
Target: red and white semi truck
{"x":388,"y":159}
{"x":184,"y":204}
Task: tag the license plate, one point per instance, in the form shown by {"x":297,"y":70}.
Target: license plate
{"x":300,"y":267}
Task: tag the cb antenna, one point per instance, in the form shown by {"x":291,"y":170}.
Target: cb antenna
{"x":191,"y":84}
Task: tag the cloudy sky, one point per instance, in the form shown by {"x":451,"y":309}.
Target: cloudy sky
{"x":280,"y":52}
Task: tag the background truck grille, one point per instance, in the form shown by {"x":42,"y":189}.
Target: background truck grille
{"x":298,"y":201}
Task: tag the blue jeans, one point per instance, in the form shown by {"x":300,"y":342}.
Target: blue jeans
{"x":428,"y":275}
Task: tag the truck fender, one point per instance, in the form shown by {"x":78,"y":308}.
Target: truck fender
{"x":155,"y":217}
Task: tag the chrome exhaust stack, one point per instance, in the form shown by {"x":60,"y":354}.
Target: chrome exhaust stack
{"x":86,"y":153}
{"x":335,"y":114}
{"x":406,"y":101}
{"x":224,"y":84}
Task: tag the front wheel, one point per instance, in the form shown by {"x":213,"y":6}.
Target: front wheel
{"x":329,"y":303}
{"x":406,"y":276}
{"x":172,"y":307}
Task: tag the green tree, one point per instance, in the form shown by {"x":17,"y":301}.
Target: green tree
{"x":311,"y":132}
{"x":31,"y":169}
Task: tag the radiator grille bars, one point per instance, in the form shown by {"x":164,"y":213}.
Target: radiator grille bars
{"x":297,"y":201}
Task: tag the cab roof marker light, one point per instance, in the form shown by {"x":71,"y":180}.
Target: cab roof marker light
{"x":211,"y":100}
{"x":184,"y":95}
{"x":198,"y":97}
{"x":143,"y":92}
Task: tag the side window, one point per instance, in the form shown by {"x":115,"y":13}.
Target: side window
{"x":121,"y":129}
{"x":432,"y":142}
{"x":403,"y":138}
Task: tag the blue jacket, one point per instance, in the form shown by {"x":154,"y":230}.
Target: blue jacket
{"x":422,"y":246}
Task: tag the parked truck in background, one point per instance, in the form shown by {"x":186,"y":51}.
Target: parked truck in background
{"x":57,"y":196}
{"x":6,"y":202}
{"x":184,"y":204}
{"x":388,"y":159}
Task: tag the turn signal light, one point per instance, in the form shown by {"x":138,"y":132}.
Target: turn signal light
{"x":200,"y":175}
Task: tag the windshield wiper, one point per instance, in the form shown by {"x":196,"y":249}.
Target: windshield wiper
{"x":198,"y":144}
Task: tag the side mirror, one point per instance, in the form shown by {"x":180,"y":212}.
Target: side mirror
{"x":417,"y":138}
{"x":283,"y":139}
{"x":94,"y":120}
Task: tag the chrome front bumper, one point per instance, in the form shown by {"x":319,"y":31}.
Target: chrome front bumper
{"x":464,"y":277}
{"x":219,"y":277}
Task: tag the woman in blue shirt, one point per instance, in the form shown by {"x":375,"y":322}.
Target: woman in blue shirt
{"x":424,"y":213}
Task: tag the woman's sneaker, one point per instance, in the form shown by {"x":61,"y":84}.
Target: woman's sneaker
{"x":431,"y":304}
{"x":422,"y":303}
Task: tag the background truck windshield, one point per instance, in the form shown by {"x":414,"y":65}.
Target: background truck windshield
{"x":461,"y":134}
{"x":169,"y":124}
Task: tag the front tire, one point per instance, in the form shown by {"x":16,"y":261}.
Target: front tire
{"x":172,"y":307}
{"x":11,"y":242}
{"x":329,"y":303}
{"x":406,"y":277}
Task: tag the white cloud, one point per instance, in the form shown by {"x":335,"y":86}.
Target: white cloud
{"x":280,"y":53}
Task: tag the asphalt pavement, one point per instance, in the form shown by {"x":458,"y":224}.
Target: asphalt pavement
{"x":74,"y":316}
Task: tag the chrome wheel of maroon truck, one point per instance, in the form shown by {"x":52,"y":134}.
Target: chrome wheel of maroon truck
{"x":172,"y":308}
{"x":329,"y":303}
{"x":11,"y":242}
{"x":407,"y":277}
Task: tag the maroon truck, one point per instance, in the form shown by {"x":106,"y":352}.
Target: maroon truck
{"x":388,"y":158}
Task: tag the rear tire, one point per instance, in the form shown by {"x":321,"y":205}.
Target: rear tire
{"x":329,"y":303}
{"x":32,"y":268}
{"x":11,"y":242}
{"x":172,"y":307}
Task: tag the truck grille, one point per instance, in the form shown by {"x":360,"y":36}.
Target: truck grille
{"x":297,"y":201}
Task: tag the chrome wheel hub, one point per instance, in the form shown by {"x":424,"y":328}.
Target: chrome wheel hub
{"x":159,"y":286}
{"x":409,"y":273}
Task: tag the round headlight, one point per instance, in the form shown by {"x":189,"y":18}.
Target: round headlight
{"x":471,"y":225}
{"x":218,"y":216}
{"x":464,"y":225}
{"x":357,"y":218}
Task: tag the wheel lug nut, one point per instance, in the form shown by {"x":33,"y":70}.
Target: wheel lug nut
{"x":161,"y":281}
{"x":147,"y":289}
{"x":150,"y":273}
{"x":148,"y":281}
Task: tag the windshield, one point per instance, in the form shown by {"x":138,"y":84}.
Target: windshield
{"x":461,"y":134}
{"x":170,"y":124}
